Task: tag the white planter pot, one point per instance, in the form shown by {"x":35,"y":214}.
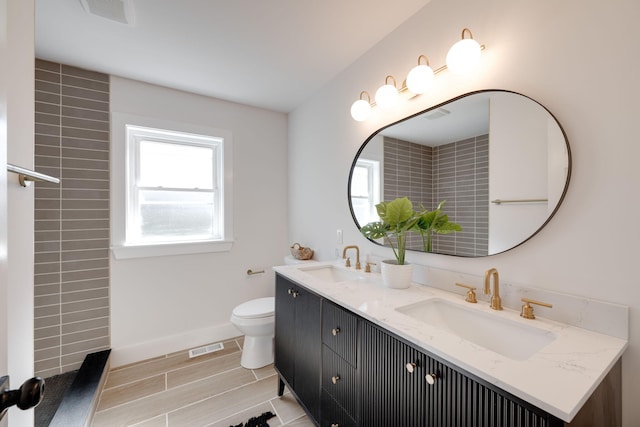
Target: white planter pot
{"x":396,"y":276}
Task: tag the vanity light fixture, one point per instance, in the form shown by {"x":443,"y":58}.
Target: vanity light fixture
{"x":361,"y":109}
{"x":462,"y":58}
{"x":387,"y":95}
{"x":420,"y":78}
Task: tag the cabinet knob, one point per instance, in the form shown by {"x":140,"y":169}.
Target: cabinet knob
{"x":335,"y":331}
{"x":335,"y":425}
{"x":335,"y":379}
{"x":290,"y":291}
{"x":295,"y":294}
{"x":411,"y":366}
{"x":431,"y":378}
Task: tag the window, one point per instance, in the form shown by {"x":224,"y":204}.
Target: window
{"x":365,"y":190}
{"x":172,"y":188}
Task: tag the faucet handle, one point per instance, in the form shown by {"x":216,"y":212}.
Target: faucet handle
{"x":347,"y":262}
{"x":471,"y":294}
{"x":367,"y":267}
{"x":527,"y":310}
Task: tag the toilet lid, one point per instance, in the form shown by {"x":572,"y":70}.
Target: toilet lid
{"x":261,"y":307}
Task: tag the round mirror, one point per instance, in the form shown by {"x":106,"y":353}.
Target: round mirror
{"x":498,"y":161}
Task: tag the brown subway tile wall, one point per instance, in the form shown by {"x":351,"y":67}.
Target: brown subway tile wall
{"x":407,"y":172}
{"x":71,"y":219}
{"x":457,"y":172}
{"x":461,"y":177}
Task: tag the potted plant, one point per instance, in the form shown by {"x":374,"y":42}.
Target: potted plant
{"x":433,"y":222}
{"x":397,"y":219}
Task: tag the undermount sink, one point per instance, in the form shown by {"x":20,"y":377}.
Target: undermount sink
{"x":333,"y":274}
{"x":502,"y":336}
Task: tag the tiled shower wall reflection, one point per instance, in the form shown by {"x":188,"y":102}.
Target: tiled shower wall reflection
{"x":457,"y":172}
{"x":408,"y":171}
{"x":71,"y":219}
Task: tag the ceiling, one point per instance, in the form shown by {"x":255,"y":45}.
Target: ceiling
{"x":272,"y":54}
{"x":454,"y":121}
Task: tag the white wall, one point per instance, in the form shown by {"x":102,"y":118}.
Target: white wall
{"x":518,"y":169}
{"x":577,"y":58}
{"x":168,"y":303}
{"x":17,"y":88}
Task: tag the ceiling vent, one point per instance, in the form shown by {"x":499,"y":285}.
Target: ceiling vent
{"x":440,"y":112}
{"x":114,"y":10}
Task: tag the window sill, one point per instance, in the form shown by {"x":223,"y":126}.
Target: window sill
{"x":169,"y":249}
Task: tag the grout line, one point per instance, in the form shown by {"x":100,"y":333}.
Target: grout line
{"x":136,"y":365}
{"x":237,"y":413}
{"x":168,"y":371}
{"x":195,"y":402}
{"x":275,"y":411}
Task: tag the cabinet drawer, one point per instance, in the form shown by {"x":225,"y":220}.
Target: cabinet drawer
{"x":332,"y":414}
{"x":340,"y":381}
{"x":340,"y":331}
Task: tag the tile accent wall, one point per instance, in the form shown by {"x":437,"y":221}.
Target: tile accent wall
{"x":407,"y":172}
{"x":71,"y":219}
{"x":461,"y":177}
{"x":457,"y":172}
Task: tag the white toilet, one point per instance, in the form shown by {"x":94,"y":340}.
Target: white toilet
{"x":256,"y":320}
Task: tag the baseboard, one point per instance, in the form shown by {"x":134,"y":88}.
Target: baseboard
{"x":171,"y":344}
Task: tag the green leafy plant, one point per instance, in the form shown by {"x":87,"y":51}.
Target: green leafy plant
{"x":433,"y":222}
{"x":397,"y":218}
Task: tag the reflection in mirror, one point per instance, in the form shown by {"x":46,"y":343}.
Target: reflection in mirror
{"x":499,"y":159}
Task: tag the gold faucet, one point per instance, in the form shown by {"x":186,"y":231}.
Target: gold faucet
{"x":496,"y":302}
{"x":344,"y":254}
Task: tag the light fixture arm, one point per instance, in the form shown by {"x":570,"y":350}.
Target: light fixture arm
{"x":466,"y":30}
{"x":364,"y":92}
{"x":386,"y":80}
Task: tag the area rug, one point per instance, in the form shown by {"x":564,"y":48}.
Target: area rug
{"x":260,"y":421}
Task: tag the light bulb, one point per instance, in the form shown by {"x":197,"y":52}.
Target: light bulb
{"x":360,"y":110}
{"x":387,"y":96}
{"x":463,"y":56}
{"x":420,"y":79}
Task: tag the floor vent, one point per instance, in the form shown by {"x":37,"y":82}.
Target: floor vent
{"x":205,"y":350}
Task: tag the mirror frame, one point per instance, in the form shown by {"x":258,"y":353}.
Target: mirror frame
{"x":442,"y":104}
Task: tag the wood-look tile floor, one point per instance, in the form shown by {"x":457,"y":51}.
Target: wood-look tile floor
{"x":212,"y":390}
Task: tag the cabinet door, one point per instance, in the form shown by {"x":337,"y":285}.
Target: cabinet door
{"x":455,"y":399}
{"x":308,"y":350}
{"x":285,"y":336}
{"x":390,"y":394}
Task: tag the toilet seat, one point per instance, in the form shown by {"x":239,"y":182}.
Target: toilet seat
{"x":255,"y":309}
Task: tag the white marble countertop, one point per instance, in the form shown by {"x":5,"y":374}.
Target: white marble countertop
{"x":558,"y":378}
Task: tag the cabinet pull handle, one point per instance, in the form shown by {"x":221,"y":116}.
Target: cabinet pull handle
{"x":431,"y":378}
{"x":411,"y":366}
{"x":335,"y":379}
{"x":335,"y":331}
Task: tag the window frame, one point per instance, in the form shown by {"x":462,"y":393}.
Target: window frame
{"x":374,"y":184}
{"x":122,"y":156}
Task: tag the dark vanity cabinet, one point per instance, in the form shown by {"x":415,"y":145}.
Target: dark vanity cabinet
{"x":347,"y":371}
{"x":404,"y":387}
{"x":298,"y":345}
